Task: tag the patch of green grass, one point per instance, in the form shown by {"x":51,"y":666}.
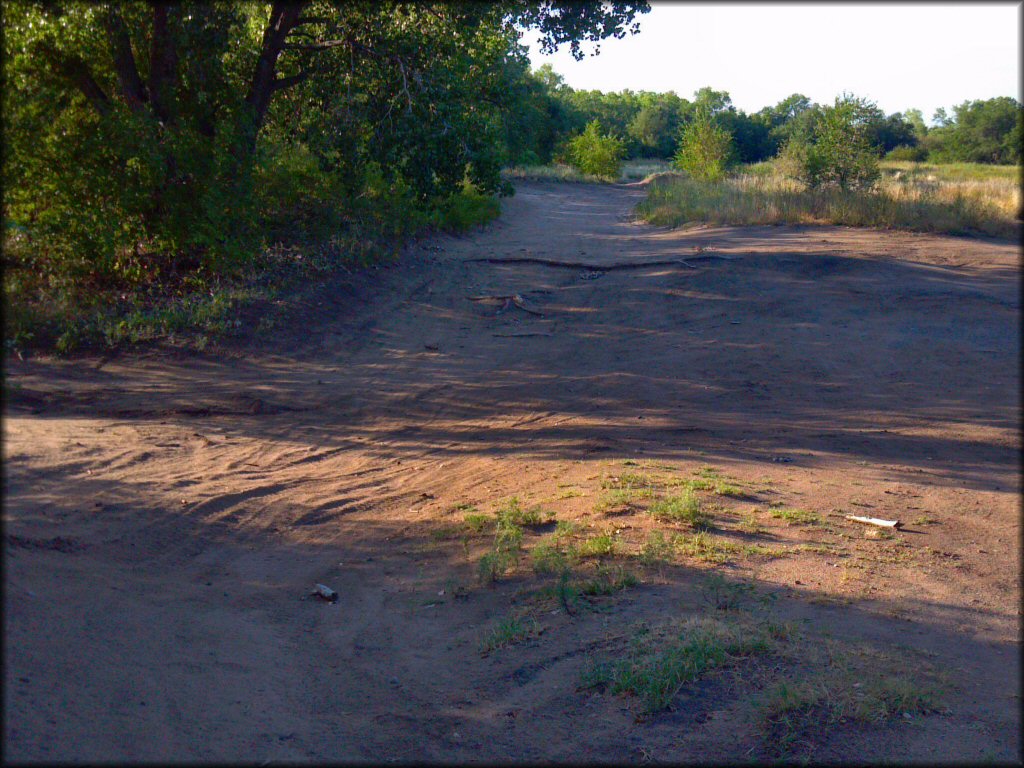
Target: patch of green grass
{"x":616,"y":499}
{"x":508,"y":541}
{"x":657,"y":549}
{"x":684,"y":508}
{"x":572,"y":592}
{"x":628,"y":480}
{"x":750,"y":524}
{"x":548,"y":558}
{"x":446,"y":532}
{"x":512,"y":513}
{"x":724,"y":489}
{"x":478,"y":523}
{"x":760,"y":550}
{"x":791,"y":713}
{"x":706,"y":547}
{"x":601,"y":545}
{"x":724,"y":594}
{"x":607,"y":581}
{"x":565,"y":529}
{"x":569,"y":493}
{"x":926,"y":520}
{"x":509,"y":631}
{"x":794,"y":516}
{"x":708,"y":471}
{"x":660,"y":662}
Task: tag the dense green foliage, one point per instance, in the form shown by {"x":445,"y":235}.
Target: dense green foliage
{"x":705,"y":149}
{"x":979,"y":132}
{"x":595,"y":153}
{"x":836,"y":148}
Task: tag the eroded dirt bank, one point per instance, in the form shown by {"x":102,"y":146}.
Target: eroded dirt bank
{"x":166,"y":514}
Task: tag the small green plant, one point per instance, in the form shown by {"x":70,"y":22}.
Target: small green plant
{"x":684,"y":508}
{"x":657,"y":549}
{"x":725,"y":595}
{"x":508,"y":540}
{"x":724,"y":489}
{"x":595,"y":153}
{"x":548,"y":558}
{"x":794,"y":516}
{"x":607,"y":581}
{"x":511,"y":513}
{"x":509,"y":631}
{"x":703,"y":546}
{"x":478,"y":523}
{"x":601,"y":545}
{"x":750,"y":524}
{"x":566,"y":528}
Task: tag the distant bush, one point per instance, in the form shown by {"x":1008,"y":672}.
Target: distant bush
{"x":908,"y":154}
{"x":705,"y":149}
{"x":595,"y":153}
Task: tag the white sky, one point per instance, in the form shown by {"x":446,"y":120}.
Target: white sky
{"x":899,"y":56}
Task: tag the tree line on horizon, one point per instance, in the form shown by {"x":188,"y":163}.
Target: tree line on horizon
{"x":650,"y":125}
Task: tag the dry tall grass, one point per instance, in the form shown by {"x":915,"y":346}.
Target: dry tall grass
{"x":946,"y":199}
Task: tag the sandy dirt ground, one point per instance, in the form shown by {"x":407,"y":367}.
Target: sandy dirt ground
{"x":166,"y":514}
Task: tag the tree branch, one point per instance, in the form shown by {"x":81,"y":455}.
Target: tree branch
{"x":283,"y":18}
{"x":163,"y":61}
{"x":77,"y":73}
{"x":132,"y":87}
{"x":287,"y":82}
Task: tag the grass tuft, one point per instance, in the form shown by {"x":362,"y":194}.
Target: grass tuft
{"x":683,"y":508}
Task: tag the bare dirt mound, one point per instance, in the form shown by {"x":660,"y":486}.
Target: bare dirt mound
{"x":167,"y":516}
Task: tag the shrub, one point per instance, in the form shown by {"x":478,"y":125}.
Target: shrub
{"x":836,"y":151}
{"x":908,"y":154}
{"x":684,"y":508}
{"x":705,"y":149}
{"x":596,"y":153}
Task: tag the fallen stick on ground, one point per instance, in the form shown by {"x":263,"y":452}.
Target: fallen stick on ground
{"x":875,"y":521}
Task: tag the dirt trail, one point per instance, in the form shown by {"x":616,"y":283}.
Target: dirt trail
{"x":165,"y":513}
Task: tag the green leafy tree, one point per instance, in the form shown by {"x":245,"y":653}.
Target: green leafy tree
{"x":138,"y":135}
{"x":596,"y":153}
{"x":705,"y":148}
{"x":987,"y":131}
{"x":836,"y":149}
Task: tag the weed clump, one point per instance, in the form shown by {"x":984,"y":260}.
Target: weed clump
{"x":659,"y":663}
{"x":796,"y":516}
{"x":508,"y":631}
{"x":684,"y":508}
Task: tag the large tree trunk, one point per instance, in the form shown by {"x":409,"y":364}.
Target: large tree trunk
{"x":132,"y":87}
{"x":163,"y":62}
{"x":283,"y":18}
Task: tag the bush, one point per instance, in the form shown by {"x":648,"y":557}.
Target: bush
{"x":908,"y":154}
{"x":836,"y":151}
{"x":596,"y":153}
{"x":705,"y":149}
